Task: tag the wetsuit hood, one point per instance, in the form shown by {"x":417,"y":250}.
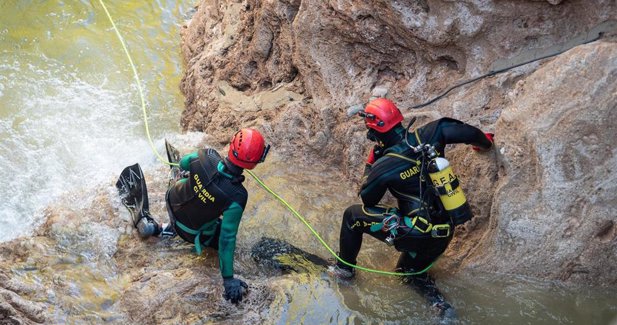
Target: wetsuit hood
{"x":231,"y":168}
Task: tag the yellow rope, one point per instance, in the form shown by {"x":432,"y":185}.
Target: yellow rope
{"x":259,"y":181}
{"x":138,"y":82}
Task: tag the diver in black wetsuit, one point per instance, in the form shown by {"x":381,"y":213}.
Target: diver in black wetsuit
{"x":393,"y":165}
{"x":205,"y":207}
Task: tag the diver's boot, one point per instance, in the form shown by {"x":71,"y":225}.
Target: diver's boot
{"x":146,"y":226}
{"x":445,"y":312}
{"x":167,"y":231}
{"x":342,"y":272}
{"x":425,"y":285}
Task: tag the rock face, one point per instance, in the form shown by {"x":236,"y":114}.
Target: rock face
{"x":544,"y":198}
{"x":556,"y":190}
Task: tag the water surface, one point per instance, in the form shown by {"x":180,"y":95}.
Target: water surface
{"x":70,"y":115}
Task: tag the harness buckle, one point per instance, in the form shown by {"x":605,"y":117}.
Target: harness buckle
{"x":440,"y":231}
{"x":421,"y":224}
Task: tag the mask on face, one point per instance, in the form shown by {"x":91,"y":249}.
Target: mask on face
{"x":371,"y":135}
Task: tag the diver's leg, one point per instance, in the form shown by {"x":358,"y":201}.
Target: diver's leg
{"x":168,"y":230}
{"x":350,"y":240}
{"x":213,"y":241}
{"x":355,"y":223}
{"x":423,"y":283}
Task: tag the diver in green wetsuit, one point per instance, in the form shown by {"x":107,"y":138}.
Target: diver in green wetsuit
{"x":206,"y":205}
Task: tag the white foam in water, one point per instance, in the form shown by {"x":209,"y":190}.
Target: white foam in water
{"x":59,"y":133}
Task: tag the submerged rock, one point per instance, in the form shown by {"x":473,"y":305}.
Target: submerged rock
{"x":280,"y":255}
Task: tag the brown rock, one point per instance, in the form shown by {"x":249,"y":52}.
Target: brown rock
{"x":554,"y":204}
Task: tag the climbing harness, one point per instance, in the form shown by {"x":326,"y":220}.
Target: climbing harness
{"x":413,"y":224}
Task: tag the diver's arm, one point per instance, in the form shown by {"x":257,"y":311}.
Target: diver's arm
{"x":374,"y":154}
{"x":227,"y":239}
{"x":374,"y":188}
{"x":367,"y":167}
{"x":185,"y":162}
{"x":453,"y":131}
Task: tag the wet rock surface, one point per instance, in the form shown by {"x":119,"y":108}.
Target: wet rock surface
{"x":87,"y":265}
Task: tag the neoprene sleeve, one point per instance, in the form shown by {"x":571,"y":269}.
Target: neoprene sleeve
{"x":227,"y":239}
{"x":185,"y":162}
{"x":464,"y":133}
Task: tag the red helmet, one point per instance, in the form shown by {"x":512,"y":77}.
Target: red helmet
{"x":247,"y":148}
{"x":381,"y":115}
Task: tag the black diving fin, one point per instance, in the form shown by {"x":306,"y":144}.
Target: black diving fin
{"x":173,"y":155}
{"x":133,"y":193}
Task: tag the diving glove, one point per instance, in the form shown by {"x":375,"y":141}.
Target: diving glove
{"x":234,"y":289}
{"x":490,"y":137}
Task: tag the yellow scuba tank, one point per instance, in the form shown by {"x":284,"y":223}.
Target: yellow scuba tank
{"x":449,"y":190}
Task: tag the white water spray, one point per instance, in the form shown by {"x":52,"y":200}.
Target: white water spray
{"x":59,"y":134}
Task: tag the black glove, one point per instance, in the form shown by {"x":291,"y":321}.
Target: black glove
{"x":490,"y":137}
{"x":234,"y":289}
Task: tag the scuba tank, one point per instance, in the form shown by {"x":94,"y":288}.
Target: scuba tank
{"x":444,"y":182}
{"x":449,"y":190}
